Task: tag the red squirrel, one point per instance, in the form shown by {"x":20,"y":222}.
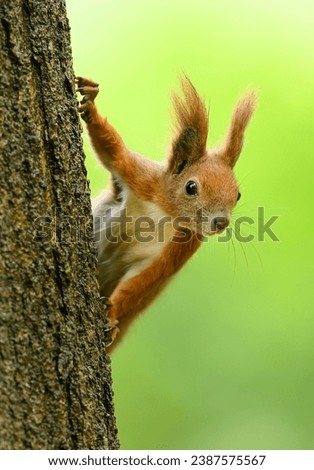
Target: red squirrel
{"x":190,"y":196}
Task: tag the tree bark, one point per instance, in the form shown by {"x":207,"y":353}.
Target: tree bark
{"x":55,"y":377}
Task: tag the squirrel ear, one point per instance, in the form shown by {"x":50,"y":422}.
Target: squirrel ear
{"x":240,"y":119}
{"x":192,"y":128}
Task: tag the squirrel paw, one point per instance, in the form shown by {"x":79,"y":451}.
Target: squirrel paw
{"x":111,"y":331}
{"x":89,"y":90}
{"x":106,"y":302}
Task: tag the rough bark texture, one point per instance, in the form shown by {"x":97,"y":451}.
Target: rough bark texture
{"x":55,"y":378}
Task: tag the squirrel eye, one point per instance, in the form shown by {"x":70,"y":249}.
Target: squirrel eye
{"x":191,"y":188}
{"x":239,"y":196}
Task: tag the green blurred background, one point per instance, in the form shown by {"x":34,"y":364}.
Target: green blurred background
{"x":224,"y":358}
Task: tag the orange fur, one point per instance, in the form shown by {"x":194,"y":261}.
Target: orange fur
{"x":134,"y":295}
{"x":240,"y":119}
{"x":133,"y":273}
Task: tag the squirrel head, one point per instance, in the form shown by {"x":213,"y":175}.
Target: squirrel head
{"x":200,"y":184}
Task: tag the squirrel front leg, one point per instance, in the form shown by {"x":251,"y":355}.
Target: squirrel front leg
{"x":127,"y":300}
{"x":139,"y":174}
{"x":135,"y":292}
{"x":130,"y":297}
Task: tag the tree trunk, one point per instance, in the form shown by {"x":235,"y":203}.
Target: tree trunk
{"x":55,"y":377}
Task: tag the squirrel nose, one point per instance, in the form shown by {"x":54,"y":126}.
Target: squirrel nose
{"x":219,"y":223}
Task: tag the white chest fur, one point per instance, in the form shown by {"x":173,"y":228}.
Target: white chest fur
{"x":129,"y":236}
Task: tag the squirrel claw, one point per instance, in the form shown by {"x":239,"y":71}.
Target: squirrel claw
{"x":106,"y":301}
{"x":109,"y":341}
{"x":111,"y":329}
{"x":89,"y":90}
{"x":86,"y":116}
{"x":81,"y":81}
{"x":110,"y":335}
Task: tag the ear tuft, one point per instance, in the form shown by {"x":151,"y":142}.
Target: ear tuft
{"x":240,"y":119}
{"x":192,"y":128}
